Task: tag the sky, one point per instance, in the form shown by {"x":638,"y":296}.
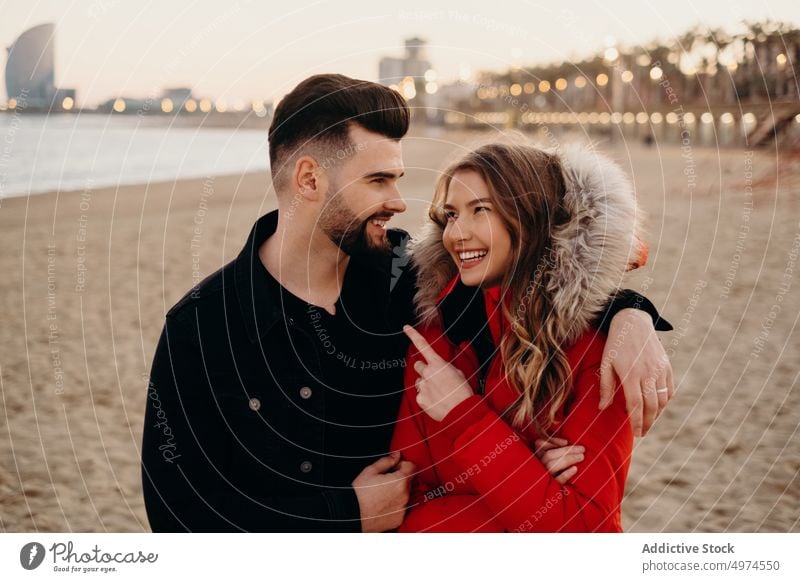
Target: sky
{"x":247,"y":49}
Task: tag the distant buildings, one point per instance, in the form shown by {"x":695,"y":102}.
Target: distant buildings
{"x":181,"y":101}
{"x":411,"y":74}
{"x":178,"y":97}
{"x":30,"y":72}
{"x":31,"y":87}
{"x":392,"y":70}
{"x":727,"y":88}
{"x":171,"y":101}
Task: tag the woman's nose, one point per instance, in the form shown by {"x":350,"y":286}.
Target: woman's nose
{"x":458,"y":231}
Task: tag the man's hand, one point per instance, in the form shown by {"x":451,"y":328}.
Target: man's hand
{"x":440,"y":386}
{"x":382,"y":489}
{"x":635,"y":356}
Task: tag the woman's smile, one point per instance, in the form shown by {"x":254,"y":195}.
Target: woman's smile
{"x":471,"y":258}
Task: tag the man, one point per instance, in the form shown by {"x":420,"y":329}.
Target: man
{"x":276,"y":382}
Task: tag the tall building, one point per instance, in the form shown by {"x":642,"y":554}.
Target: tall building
{"x":413,"y":76}
{"x":30,"y":71}
{"x":414,"y":64}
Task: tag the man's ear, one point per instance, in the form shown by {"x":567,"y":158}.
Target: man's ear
{"x":309,"y":179}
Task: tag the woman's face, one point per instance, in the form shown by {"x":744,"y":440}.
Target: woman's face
{"x":475,"y":235}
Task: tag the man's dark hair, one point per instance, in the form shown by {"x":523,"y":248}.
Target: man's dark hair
{"x":321,"y":109}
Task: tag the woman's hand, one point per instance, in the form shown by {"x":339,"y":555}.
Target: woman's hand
{"x":440,"y":386}
{"x":559,"y":458}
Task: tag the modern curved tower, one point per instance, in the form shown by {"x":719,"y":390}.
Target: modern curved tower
{"x":30,"y":68}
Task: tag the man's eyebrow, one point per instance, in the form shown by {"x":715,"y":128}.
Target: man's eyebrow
{"x":385,"y":174}
{"x":470,"y":203}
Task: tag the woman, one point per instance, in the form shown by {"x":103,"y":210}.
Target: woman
{"x":523,"y":250}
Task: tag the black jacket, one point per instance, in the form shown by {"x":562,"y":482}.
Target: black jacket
{"x":235,"y":425}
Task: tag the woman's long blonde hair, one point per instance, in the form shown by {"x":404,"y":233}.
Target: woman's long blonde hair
{"x":527,"y":188}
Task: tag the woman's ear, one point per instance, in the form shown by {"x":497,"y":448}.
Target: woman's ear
{"x":641,"y":251}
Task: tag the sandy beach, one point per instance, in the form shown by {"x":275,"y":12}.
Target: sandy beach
{"x":87,"y":277}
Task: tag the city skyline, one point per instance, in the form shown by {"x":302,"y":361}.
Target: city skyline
{"x":245,"y":52}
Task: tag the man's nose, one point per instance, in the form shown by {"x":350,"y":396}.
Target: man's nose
{"x":396,"y":204}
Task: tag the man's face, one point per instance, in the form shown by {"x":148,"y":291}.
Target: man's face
{"x":362,"y":193}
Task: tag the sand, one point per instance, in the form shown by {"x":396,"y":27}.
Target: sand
{"x":87,"y":277}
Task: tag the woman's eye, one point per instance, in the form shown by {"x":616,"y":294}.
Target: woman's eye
{"x":449,"y":215}
{"x":479,"y":208}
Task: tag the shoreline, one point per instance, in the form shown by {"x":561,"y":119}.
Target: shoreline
{"x":132,"y":185}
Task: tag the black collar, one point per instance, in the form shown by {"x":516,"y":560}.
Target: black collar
{"x":259,"y":293}
{"x":464,"y":318}
{"x":463,"y":312}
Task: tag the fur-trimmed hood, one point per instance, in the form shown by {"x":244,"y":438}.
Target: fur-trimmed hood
{"x":591,"y":251}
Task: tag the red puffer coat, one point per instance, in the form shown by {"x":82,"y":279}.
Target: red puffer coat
{"x":475,"y":473}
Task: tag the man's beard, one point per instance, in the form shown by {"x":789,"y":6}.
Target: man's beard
{"x":346,"y":231}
